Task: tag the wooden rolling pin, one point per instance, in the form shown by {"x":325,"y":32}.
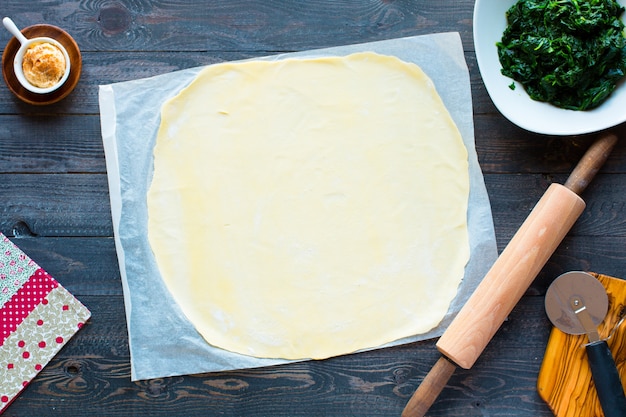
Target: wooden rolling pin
{"x":510,"y":276}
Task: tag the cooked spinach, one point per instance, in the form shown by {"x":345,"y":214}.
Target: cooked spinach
{"x":571,"y":53}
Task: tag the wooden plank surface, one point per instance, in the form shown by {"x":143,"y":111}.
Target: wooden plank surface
{"x":56,"y":207}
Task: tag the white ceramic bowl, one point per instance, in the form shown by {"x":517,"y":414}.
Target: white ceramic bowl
{"x":19,"y":73}
{"x":25,"y":44}
{"x":516,"y":105}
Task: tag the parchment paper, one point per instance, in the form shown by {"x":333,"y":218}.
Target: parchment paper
{"x":162,"y":341}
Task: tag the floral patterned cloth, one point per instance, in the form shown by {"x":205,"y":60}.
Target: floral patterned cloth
{"x":38,"y":317}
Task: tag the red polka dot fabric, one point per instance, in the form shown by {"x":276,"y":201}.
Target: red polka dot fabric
{"x":37,"y":317}
{"x":29,"y":296}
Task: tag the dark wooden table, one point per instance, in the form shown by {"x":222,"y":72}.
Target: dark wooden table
{"x":55,"y":206}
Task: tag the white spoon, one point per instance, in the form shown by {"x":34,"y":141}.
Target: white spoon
{"x":19,"y":57}
{"x":11,"y":27}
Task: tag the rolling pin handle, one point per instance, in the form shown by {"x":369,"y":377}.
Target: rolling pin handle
{"x":430,"y":388}
{"x":590,"y":163}
{"x":606,"y":379}
{"x":510,"y":276}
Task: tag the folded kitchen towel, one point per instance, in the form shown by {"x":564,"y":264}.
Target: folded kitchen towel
{"x":38,"y":317}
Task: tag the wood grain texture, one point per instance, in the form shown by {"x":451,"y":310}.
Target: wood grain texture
{"x":565,"y":379}
{"x":273,"y":25}
{"x":70,"y":204}
{"x":105,"y":67}
{"x":430,"y":389}
{"x":52,"y":144}
{"x":510,"y":276}
{"x":84,"y":266}
{"x":91,"y":377}
{"x":55,"y":206}
{"x":603,"y":216}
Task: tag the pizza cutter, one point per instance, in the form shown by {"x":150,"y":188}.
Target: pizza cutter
{"x":576,"y":303}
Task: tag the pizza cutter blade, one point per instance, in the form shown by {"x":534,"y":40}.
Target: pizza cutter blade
{"x":576,"y":303}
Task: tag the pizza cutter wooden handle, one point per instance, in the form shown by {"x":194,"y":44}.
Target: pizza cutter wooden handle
{"x":510,"y":276}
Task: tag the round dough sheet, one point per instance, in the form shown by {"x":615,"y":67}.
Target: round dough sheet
{"x":308,"y":208}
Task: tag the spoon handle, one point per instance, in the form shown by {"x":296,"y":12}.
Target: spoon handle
{"x":11,"y":27}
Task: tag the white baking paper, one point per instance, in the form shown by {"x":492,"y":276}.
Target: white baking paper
{"x":162,"y":342}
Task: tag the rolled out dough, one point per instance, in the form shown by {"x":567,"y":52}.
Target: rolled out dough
{"x":307,"y":208}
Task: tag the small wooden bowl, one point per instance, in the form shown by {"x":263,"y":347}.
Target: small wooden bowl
{"x":75,"y":62}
